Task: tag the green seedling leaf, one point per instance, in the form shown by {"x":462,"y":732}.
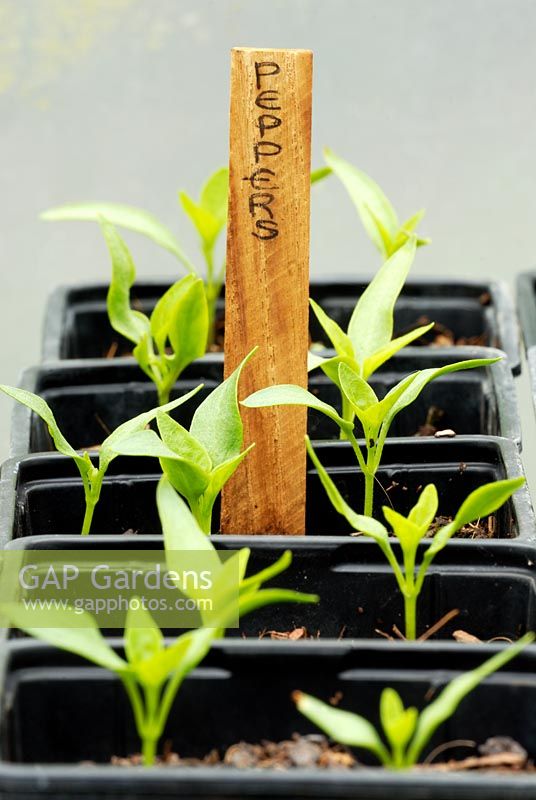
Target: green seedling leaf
{"x":397,"y":722}
{"x":207,"y":226}
{"x":330,"y":366}
{"x":480,"y":503}
{"x":164,"y":310}
{"x":385,"y":236}
{"x":335,"y":497}
{"x":266,"y":597}
{"x":373,"y":362}
{"x":65,"y":632}
{"x":380,"y":415}
{"x":376,"y":212}
{"x":279,"y":566}
{"x":342,"y":726}
{"x":177,"y":660}
{"x":124,"y":216}
{"x":314,"y":361}
{"x":287,"y":394}
{"x":186,"y":477}
{"x":340,"y":341}
{"x":419,"y":380}
{"x":143,"y":638}
{"x":448,"y":701}
{"x":143,"y":443}
{"x":129,"y":323}
{"x":360,"y":394}
{"x":217,"y":423}
{"x":252,"y":597}
{"x":187,"y":463}
{"x":319,"y":174}
{"x":371,"y":324}
{"x":181,"y":442}
{"x":486,"y":500}
{"x":181,"y":317}
{"x":408,"y":534}
{"x":182,"y":533}
{"x":224,"y":593}
{"x":423,"y":512}
{"x":111,"y":447}
{"x":43,"y":410}
{"x":410,"y":224}
{"x":180,"y":529}
{"x":371,"y":412}
{"x":209,"y":216}
{"x":221,"y":474}
{"x":214,"y":195}
{"x":391,"y":706}
{"x":409,"y":227}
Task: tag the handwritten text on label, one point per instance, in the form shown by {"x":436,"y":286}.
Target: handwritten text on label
{"x":263,"y":179}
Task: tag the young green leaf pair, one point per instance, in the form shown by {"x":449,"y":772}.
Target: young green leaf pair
{"x":151,"y":671}
{"x":378,"y":216}
{"x":198,"y":462}
{"x":176,"y":332}
{"x":368,"y":342}
{"x":375,"y":416}
{"x":410,"y":531}
{"x":208,"y":215}
{"x":92,"y":476}
{"x":406,"y":731}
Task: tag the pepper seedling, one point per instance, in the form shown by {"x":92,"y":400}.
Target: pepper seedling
{"x":151,"y":671}
{"x":377,"y":214}
{"x":182,"y":533}
{"x":208,"y":215}
{"x":375,"y":416}
{"x":368,"y":342}
{"x":92,"y":476}
{"x":200,"y":461}
{"x":178,"y":323}
{"x":410,"y":531}
{"x":406,"y":731}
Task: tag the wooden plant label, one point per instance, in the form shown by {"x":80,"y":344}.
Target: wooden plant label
{"x":267,"y":284}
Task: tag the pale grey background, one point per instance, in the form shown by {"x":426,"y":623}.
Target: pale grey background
{"x":127,"y":100}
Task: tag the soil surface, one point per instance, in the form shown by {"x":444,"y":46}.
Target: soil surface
{"x":481,"y":529}
{"x":441,"y":336}
{"x":310,"y":752}
{"x":294,"y":635}
{"x":497,"y":754}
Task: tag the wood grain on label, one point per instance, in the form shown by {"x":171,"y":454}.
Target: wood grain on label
{"x":267,"y":283}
